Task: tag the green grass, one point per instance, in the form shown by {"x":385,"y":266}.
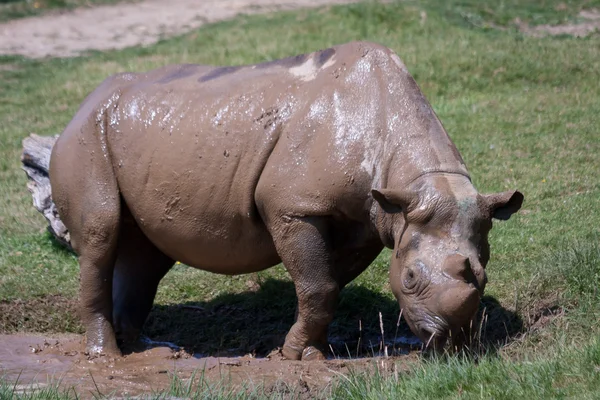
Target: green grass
{"x":570,"y":374}
{"x":507,"y":13}
{"x":522,"y":111}
{"x":12,"y":9}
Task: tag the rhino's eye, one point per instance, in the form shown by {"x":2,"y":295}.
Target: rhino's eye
{"x":410,"y":279}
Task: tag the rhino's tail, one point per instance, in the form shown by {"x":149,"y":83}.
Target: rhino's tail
{"x":36,"y":164}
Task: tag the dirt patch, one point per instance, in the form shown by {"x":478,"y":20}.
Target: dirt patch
{"x":36,"y":359}
{"x":9,"y":67}
{"x":589,"y":23}
{"x":231,"y":341}
{"x":125,"y":25}
{"x":52,"y":313}
{"x":543,"y":314}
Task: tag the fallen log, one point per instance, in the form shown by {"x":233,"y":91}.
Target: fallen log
{"x":36,"y":164}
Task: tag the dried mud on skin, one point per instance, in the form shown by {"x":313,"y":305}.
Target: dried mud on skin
{"x":37,"y":359}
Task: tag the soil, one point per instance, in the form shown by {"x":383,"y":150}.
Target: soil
{"x":228,"y":342}
{"x":229,"y":363}
{"x":127,"y":24}
{"x":35,"y":361}
{"x":589,"y":22}
{"x":51,"y":313}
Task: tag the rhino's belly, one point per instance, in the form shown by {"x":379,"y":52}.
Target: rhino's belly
{"x":201,"y":217}
{"x":190,"y":187}
{"x":226,"y":245}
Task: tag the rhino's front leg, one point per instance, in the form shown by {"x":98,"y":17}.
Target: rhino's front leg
{"x":303,"y":248}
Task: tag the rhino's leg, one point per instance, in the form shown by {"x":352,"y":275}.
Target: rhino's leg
{"x":86,"y":193}
{"x":93,"y":220}
{"x":139,"y":268}
{"x":305,"y":252}
{"x":319,"y":271}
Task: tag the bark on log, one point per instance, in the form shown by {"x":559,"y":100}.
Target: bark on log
{"x":36,"y":163}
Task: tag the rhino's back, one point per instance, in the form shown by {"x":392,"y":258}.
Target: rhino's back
{"x":190,"y":143}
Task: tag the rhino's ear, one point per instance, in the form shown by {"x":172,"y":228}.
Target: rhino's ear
{"x":505,"y":204}
{"x":392,"y":201}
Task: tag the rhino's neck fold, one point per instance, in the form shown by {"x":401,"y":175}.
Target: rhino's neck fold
{"x":436,"y":171}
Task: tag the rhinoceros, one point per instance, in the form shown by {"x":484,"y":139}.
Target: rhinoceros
{"x":318,"y":161}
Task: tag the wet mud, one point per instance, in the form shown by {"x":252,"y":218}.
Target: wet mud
{"x":35,"y":361}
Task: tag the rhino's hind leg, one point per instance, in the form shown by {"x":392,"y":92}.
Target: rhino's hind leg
{"x":96,"y":262}
{"x":85,"y":191}
{"x":93,"y":221}
{"x":302,"y":246}
{"x":139,"y":268}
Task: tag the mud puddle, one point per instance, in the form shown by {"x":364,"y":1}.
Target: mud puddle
{"x":35,"y":361}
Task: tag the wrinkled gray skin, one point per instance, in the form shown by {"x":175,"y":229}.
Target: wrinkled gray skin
{"x":235,"y":169}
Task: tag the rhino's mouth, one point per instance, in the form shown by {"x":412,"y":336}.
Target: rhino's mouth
{"x":432,"y":330}
{"x":435,"y":333}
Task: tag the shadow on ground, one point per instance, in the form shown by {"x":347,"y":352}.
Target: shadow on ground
{"x":256,"y":322}
{"x":498,"y":326}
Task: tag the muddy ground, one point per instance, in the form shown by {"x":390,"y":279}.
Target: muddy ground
{"x":227,"y":342}
{"x":239,"y":354}
{"x":39,"y":360}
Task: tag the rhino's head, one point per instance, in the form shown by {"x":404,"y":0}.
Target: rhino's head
{"x":440,"y":227}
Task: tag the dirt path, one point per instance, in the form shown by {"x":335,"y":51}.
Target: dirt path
{"x":124,"y":25}
{"x":587,"y":24}
{"x":145,"y":22}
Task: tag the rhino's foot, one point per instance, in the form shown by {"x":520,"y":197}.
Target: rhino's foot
{"x":303,"y":246}
{"x":101,"y":340}
{"x":301,"y":345}
{"x":127,"y":336}
{"x":309,"y":353}
{"x":291,"y":353}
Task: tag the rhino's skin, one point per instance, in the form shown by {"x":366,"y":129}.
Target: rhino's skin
{"x":235,"y":169}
